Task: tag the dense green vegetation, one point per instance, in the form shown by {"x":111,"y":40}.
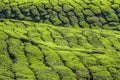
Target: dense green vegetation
{"x":59,"y":40}
{"x":36,"y":51}
{"x":91,"y":13}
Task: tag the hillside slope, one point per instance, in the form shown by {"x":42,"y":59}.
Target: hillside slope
{"x":59,"y":40}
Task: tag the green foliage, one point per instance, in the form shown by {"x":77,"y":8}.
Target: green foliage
{"x":100,"y":73}
{"x":84,"y":24}
{"x":88,"y":12}
{"x":106,"y":43}
{"x":115,"y":6}
{"x":109,"y":14}
{"x":52,"y":59}
{"x":63,"y":18}
{"x":67,"y":7}
{"x":95,"y":9}
{"x":28,"y":18}
{"x":34,"y":11}
{"x":57,"y":8}
{"x":102,"y":20}
{"x":115,"y":73}
{"x":31,"y":50}
{"x":45,"y":73}
{"x":2,"y":6}
{"x":13,"y":43}
{"x":65,"y":73}
{"x":93,"y":39}
{"x":22,"y":72}
{"x":73,"y":19}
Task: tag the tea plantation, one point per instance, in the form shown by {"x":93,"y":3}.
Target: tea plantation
{"x":59,"y":40}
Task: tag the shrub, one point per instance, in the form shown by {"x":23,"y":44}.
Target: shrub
{"x":34,"y":11}
{"x":17,"y":52}
{"x":106,"y":43}
{"x":92,"y":19}
{"x":114,"y":23}
{"x":52,"y":59}
{"x":70,"y":37}
{"x":93,"y":39}
{"x":73,"y":19}
{"x":47,"y":21}
{"x":78,"y":11}
{"x":28,"y":18}
{"x":112,"y":17}
{"x":5,"y":78}
{"x":57,"y":8}
{"x":56,"y":21}
{"x":84,"y":24}
{"x":114,"y":41}
{"x":2,"y":6}
{"x":63,"y":18}
{"x":102,"y":20}
{"x":5,"y":61}
{"x":7,"y":11}
{"x":82,"y":41}
{"x":37,"y":18}
{"x":45,"y":73}
{"x":33,"y":52}
{"x":47,"y":5}
{"x":22,"y":72}
{"x":73,"y":63}
{"x":109,"y":14}
{"x":116,"y":1}
{"x":21,"y":16}
{"x":67,"y":7}
{"x":25,"y":9}
{"x":61,"y":42}
{"x":79,"y":69}
{"x":95,"y":9}
{"x":65,"y":73}
{"x":88,"y":12}
{"x":46,"y":36}
{"x":115,"y":73}
{"x":3,"y":36}
{"x":100,"y":73}
{"x":115,"y":6}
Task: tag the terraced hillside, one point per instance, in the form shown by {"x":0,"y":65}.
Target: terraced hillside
{"x":59,"y":40}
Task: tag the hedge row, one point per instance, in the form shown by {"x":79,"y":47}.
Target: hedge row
{"x":82,"y":13}
{"x":35,"y":51}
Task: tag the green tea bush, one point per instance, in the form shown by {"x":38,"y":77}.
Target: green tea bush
{"x":73,"y":62}
{"x":52,"y":59}
{"x":67,"y":8}
{"x":93,"y":39}
{"x":100,"y":73}
{"x":73,"y":19}
{"x":65,"y":73}
{"x":84,"y":24}
{"x":2,"y":6}
{"x":95,"y":9}
{"x":34,"y":11}
{"x":17,"y":53}
{"x":63,"y":18}
{"x":88,"y":12}
{"x":22,"y":72}
{"x":115,"y":42}
{"x":46,"y":73}
{"x":115,"y":73}
{"x":109,"y":14}
{"x":57,"y":8}
{"x":32,"y":50}
{"x":106,"y":42}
